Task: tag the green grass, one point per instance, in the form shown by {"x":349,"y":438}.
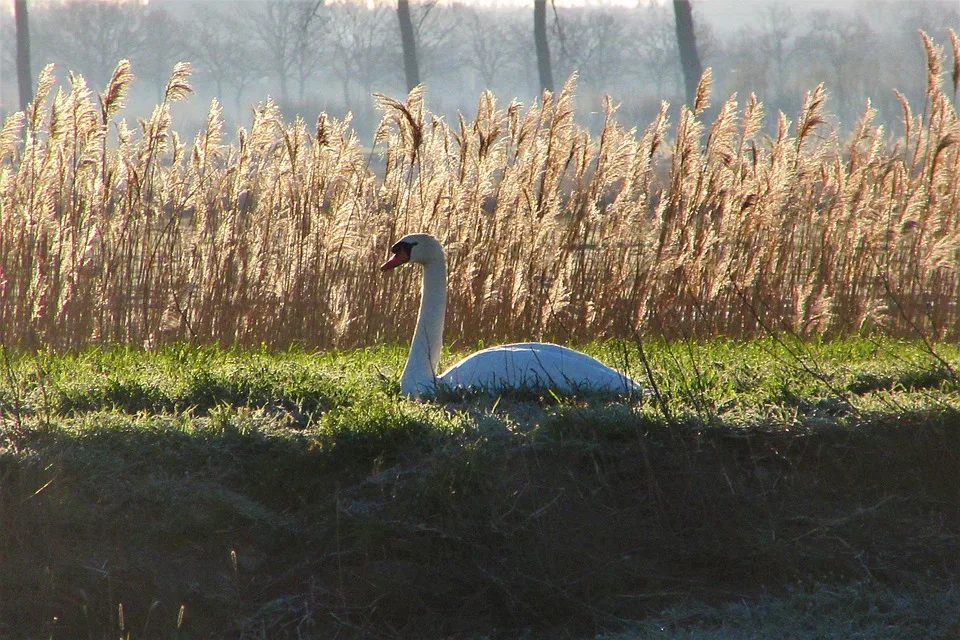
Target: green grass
{"x":771,"y":488}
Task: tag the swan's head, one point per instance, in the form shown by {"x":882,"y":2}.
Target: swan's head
{"x":420,"y":248}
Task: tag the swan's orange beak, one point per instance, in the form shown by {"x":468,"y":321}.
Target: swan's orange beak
{"x":396,"y":260}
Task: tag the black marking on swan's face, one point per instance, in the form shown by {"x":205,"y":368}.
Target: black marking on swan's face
{"x":403,"y":247}
{"x":401,"y":254}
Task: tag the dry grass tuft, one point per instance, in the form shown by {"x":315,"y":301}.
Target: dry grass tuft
{"x":955,"y":69}
{"x":114,"y":233}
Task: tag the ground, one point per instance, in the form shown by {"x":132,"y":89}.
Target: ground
{"x":771,"y":488}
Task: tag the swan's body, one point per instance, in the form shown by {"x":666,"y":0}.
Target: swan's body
{"x":527,"y":365}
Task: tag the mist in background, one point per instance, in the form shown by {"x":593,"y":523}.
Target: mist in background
{"x":311,"y":57}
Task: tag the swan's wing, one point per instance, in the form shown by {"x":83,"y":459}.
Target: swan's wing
{"x":505,"y":367}
{"x":536,"y":365}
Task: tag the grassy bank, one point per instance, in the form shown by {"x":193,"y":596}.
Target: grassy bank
{"x":769,"y":487}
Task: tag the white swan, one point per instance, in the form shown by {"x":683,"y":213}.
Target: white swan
{"x":514,"y":366}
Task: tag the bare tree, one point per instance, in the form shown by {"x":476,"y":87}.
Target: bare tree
{"x":486,"y":45}
{"x":409,"y":42}
{"x":24,"y":77}
{"x":541,"y":44}
{"x":757,"y":58}
{"x":596,"y":44}
{"x":687,"y":42}
{"x":839,"y":51}
{"x":748,"y":70}
{"x":162,"y":46}
{"x":363,"y":44}
{"x":901,"y":55}
{"x":287,"y":31}
{"x":779,"y":23}
{"x":653,"y":47}
{"x":91,"y":37}
{"x":221,"y":51}
{"x":310,"y":42}
{"x":439,"y":41}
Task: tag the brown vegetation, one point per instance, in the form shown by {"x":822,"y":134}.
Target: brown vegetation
{"x":114,"y":234}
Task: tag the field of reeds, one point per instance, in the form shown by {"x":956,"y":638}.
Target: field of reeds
{"x":114,"y":232}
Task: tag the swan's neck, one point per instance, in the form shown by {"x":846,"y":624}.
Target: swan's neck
{"x":419,"y":376}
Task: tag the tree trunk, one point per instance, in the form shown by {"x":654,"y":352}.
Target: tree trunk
{"x":687,"y":41}
{"x":407,"y":39}
{"x":543,"y":48}
{"x":346,"y":91}
{"x":284,"y":87}
{"x":24,"y":77}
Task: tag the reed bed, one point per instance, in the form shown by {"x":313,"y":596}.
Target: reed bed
{"x":114,"y":233}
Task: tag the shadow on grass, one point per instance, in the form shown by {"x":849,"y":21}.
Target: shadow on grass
{"x":913,"y":380}
{"x":388,"y":518}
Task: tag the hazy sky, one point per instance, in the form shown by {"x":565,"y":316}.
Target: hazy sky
{"x":7,"y":5}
